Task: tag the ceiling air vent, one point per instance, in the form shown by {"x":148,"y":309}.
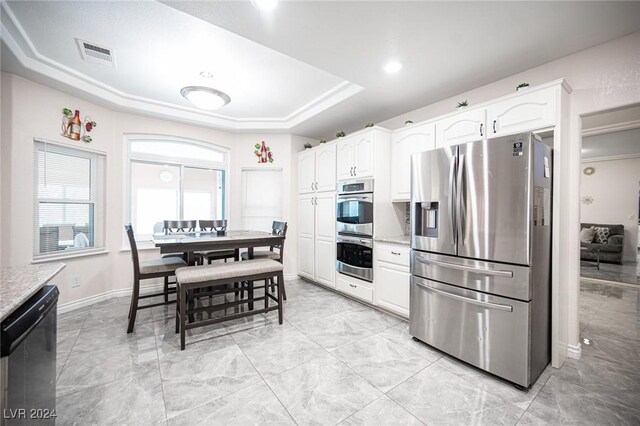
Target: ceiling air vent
{"x":95,"y":54}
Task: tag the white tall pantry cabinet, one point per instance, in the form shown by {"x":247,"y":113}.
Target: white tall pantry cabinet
{"x":317,"y":214}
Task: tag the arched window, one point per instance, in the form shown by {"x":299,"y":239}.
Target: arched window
{"x":174,"y":178}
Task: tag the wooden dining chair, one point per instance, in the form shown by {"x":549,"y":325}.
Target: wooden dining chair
{"x":171,"y":226}
{"x":207,"y":225}
{"x":175,"y":226}
{"x":164,"y":267}
{"x":277,"y":228}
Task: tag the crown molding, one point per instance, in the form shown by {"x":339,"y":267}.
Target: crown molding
{"x":611,"y":128}
{"x":46,"y":67}
{"x":610,"y":158}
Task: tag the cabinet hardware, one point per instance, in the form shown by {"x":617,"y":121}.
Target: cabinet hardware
{"x":350,"y":171}
{"x":354,"y":286}
{"x":354,"y":171}
{"x":481,"y":124}
{"x":396,"y":253}
{"x":494,"y":126}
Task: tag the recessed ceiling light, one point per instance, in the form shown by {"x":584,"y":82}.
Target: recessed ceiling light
{"x":205,"y":97}
{"x":265,"y":4}
{"x":393,"y":67}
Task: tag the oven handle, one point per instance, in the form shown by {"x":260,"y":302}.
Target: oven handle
{"x":498,"y":306}
{"x":359,"y":241}
{"x":484,"y":271}
{"x":351,"y":197}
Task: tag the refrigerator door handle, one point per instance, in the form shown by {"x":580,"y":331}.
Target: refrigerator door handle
{"x":461,"y":212}
{"x":484,"y":271}
{"x":452,"y":195}
{"x":490,"y":305}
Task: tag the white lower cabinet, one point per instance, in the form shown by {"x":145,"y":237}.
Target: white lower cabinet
{"x":391,"y":278}
{"x":317,"y":237}
{"x":355,"y":287}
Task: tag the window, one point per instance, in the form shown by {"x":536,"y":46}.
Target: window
{"x":69,"y":200}
{"x":174,"y":179}
{"x":261,"y":198}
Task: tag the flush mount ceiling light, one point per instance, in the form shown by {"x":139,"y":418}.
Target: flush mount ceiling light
{"x":265,"y":4}
{"x":393,"y":67}
{"x":205,"y":97}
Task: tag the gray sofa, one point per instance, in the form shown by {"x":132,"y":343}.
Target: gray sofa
{"x":610,"y":252}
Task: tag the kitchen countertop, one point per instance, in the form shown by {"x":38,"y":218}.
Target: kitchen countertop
{"x":404,"y":240}
{"x":19,"y":283}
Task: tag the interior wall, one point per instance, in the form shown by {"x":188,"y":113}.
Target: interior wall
{"x":613,"y":207}
{"x":33,"y":110}
{"x":602,"y":77}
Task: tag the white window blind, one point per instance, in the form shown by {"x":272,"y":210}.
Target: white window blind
{"x":261,"y":198}
{"x":69,"y":199}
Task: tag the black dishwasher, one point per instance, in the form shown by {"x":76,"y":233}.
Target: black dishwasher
{"x":28,"y":362}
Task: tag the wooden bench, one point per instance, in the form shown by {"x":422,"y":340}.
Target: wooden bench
{"x":221,"y":277}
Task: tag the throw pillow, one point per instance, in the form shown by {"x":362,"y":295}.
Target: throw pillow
{"x":602,"y":235}
{"x":587,"y":234}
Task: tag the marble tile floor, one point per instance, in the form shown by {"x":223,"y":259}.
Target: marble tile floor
{"x":628,"y":272}
{"x":333,"y":361}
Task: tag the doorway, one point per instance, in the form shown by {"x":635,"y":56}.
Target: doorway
{"x":609,"y":196}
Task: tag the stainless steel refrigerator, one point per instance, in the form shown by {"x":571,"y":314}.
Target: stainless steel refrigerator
{"x":481,"y":254}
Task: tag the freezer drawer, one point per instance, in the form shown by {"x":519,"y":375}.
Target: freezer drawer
{"x":489,"y":332}
{"x":489,"y":277}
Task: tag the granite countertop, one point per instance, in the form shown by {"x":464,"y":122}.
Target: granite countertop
{"x":19,"y":283}
{"x":404,"y":240}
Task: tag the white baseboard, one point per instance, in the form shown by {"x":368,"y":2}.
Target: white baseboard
{"x":574,"y":351}
{"x":88,"y":301}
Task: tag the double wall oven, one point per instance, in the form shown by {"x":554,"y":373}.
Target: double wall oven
{"x":354,"y":215}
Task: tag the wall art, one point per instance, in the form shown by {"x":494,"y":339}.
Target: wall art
{"x":263,"y":152}
{"x":74,"y":128}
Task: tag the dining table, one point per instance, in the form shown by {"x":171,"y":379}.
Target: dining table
{"x":188,"y":243}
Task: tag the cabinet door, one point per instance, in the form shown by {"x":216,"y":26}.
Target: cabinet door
{"x":325,"y":238}
{"x":528,"y":111}
{"x":392,"y":287}
{"x":306,"y":215}
{"x":306,"y":171}
{"x":325,"y":216}
{"x":305,"y":257}
{"x":404,"y":143}
{"x":461,"y":128}
{"x":363,"y":155}
{"x":326,"y":168}
{"x":345,"y":159}
{"x":306,"y":226}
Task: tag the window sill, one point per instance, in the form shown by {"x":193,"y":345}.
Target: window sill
{"x":54,"y":258}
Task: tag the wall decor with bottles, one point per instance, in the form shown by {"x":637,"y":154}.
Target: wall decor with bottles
{"x":74,"y":128}
{"x":263,"y":152}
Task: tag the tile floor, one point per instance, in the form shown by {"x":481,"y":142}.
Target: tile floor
{"x":628,"y":272}
{"x":332,"y":361}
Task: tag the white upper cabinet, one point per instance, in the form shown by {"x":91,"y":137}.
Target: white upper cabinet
{"x":528,"y":111}
{"x":363,"y":155}
{"x":404,"y":143}
{"x":345,"y":160}
{"x":317,"y":170}
{"x":356,"y":156}
{"x":306,"y":171}
{"x":461,"y":128}
{"x":325,"y":168}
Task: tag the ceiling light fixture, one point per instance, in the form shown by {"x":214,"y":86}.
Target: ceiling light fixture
{"x":265,"y":4}
{"x":205,"y":97}
{"x":393,"y":67}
